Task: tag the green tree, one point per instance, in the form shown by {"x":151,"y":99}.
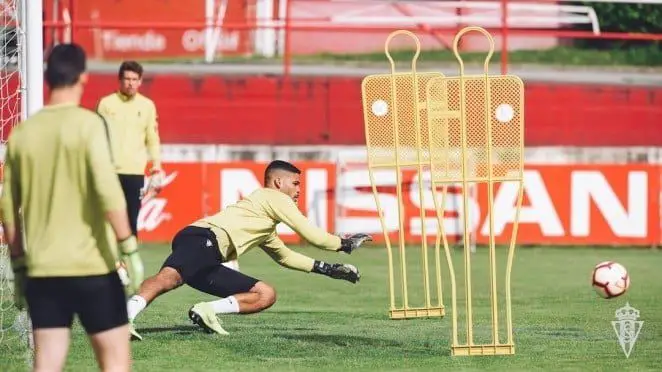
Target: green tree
{"x":618,"y":17}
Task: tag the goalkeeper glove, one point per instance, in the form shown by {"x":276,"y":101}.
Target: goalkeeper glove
{"x":134,"y":265}
{"x":337,"y":271}
{"x":154,"y":183}
{"x":156,"y":179}
{"x":20,"y":269}
{"x":352,"y":242}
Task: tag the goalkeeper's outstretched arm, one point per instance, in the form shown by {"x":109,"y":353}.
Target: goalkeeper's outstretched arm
{"x":279,"y":252}
{"x":283,"y":209}
{"x":286,"y":257}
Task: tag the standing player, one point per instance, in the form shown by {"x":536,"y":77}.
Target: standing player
{"x":59,"y":174}
{"x":134,"y":134}
{"x":200,"y":249}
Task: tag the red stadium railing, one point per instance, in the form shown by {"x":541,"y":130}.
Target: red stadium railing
{"x":293,"y":24}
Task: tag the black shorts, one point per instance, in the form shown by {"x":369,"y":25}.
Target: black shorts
{"x":99,"y":302}
{"x":196,"y":257}
{"x":131,"y":185}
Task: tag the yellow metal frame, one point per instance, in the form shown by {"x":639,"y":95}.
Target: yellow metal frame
{"x":469,"y":347}
{"x":388,"y":135}
{"x":434,"y":150}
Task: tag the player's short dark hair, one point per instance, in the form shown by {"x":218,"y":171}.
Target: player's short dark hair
{"x":132,"y":66}
{"x":64,"y":65}
{"x":280,"y":165}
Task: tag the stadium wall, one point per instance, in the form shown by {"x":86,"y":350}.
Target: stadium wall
{"x":300,"y":111}
{"x":214,"y":109}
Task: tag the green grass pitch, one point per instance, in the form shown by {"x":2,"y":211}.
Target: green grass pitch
{"x":324,"y":324}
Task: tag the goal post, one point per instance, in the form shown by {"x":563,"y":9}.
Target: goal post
{"x":33,"y":91}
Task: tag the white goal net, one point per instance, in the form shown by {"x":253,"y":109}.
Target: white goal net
{"x":15,"y":333}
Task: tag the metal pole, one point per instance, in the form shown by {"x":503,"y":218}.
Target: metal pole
{"x":504,"y":37}
{"x":34,"y":55}
{"x":209,"y":31}
{"x":287,"y":57}
{"x":72,"y":15}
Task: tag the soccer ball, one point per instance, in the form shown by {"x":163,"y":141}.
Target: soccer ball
{"x":610,"y":279}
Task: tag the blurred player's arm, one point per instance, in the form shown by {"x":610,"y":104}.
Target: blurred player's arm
{"x":111,"y":198}
{"x":153,"y":141}
{"x":286,"y":257}
{"x":10,"y":203}
{"x":284,"y":210}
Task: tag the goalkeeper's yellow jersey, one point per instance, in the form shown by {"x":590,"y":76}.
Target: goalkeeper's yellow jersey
{"x":251,"y":222}
{"x":134,"y":133}
{"x":59,"y":172}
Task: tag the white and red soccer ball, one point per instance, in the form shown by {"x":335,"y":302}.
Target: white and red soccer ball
{"x":610,"y":279}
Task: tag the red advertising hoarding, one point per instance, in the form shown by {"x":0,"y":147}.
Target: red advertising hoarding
{"x":563,"y":204}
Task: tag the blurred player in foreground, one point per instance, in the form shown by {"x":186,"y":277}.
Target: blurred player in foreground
{"x":134,"y":134}
{"x":59,"y":173}
{"x":200,"y":249}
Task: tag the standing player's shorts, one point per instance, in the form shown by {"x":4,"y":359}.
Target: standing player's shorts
{"x":99,"y":302}
{"x":131,"y":185}
{"x":196,"y":257}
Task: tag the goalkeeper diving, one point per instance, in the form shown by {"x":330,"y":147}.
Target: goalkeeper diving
{"x":200,"y":250}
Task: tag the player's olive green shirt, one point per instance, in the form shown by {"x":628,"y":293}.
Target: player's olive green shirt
{"x":251,"y":222}
{"x":134,"y":131}
{"x":58,"y":170}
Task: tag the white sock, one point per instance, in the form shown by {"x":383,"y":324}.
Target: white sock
{"x":134,"y":306}
{"x":225,"y":305}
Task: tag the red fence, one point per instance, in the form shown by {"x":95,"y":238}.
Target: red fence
{"x":172,"y":29}
{"x":324,"y":110}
